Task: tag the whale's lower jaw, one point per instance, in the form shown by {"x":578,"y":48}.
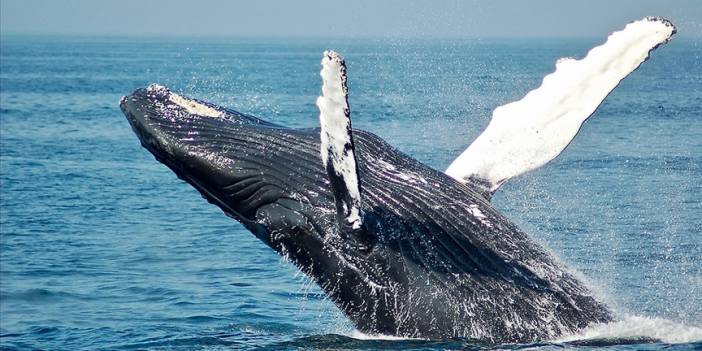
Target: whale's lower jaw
{"x":441,"y":262}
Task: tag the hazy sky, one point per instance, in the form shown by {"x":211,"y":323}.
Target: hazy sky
{"x":332,"y":18}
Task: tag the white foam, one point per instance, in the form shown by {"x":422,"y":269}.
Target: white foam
{"x":639,"y":326}
{"x":528,"y":133}
{"x":356,"y":334}
{"x":628,"y":328}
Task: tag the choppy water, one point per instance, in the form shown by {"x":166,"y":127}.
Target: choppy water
{"x":104,"y":248}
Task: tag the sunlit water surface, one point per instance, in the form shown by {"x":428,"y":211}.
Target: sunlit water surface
{"x":104,"y":248}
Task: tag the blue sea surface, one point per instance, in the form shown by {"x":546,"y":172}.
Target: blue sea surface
{"x":102,"y":247}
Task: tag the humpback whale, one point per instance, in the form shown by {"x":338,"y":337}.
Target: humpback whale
{"x":401,"y":248}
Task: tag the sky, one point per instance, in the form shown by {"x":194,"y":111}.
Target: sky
{"x":334,"y":18}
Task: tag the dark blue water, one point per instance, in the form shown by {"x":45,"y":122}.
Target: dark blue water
{"x":104,"y":248}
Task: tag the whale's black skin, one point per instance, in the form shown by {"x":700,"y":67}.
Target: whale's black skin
{"x":436,"y":259}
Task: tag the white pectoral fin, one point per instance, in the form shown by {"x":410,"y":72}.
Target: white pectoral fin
{"x":526,"y":134}
{"x":337,"y":149}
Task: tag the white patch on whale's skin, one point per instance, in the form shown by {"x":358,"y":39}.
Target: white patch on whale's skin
{"x":528,"y":133}
{"x":194,"y":107}
{"x":335,"y":129}
{"x":475,"y":211}
{"x":393,"y":173}
{"x":191,"y":106}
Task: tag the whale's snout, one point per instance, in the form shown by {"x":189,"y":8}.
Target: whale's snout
{"x":167,"y":124}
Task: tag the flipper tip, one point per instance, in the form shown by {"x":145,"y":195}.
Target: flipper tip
{"x":662,"y":24}
{"x":662,"y":20}
{"x":331,"y":56}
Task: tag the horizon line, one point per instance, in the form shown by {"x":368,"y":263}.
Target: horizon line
{"x":307,"y":37}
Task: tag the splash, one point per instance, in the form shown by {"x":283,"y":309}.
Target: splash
{"x":632,"y":327}
{"x":363,"y":336}
{"x":629,"y":328}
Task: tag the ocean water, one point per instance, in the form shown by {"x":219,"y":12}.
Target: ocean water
{"x":102,"y":247}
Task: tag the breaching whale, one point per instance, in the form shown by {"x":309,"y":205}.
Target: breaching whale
{"x":401,"y":248}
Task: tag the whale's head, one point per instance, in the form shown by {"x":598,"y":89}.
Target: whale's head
{"x":253,"y":170}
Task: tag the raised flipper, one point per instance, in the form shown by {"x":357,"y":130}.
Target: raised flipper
{"x":526,"y":134}
{"x":337,"y":148}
